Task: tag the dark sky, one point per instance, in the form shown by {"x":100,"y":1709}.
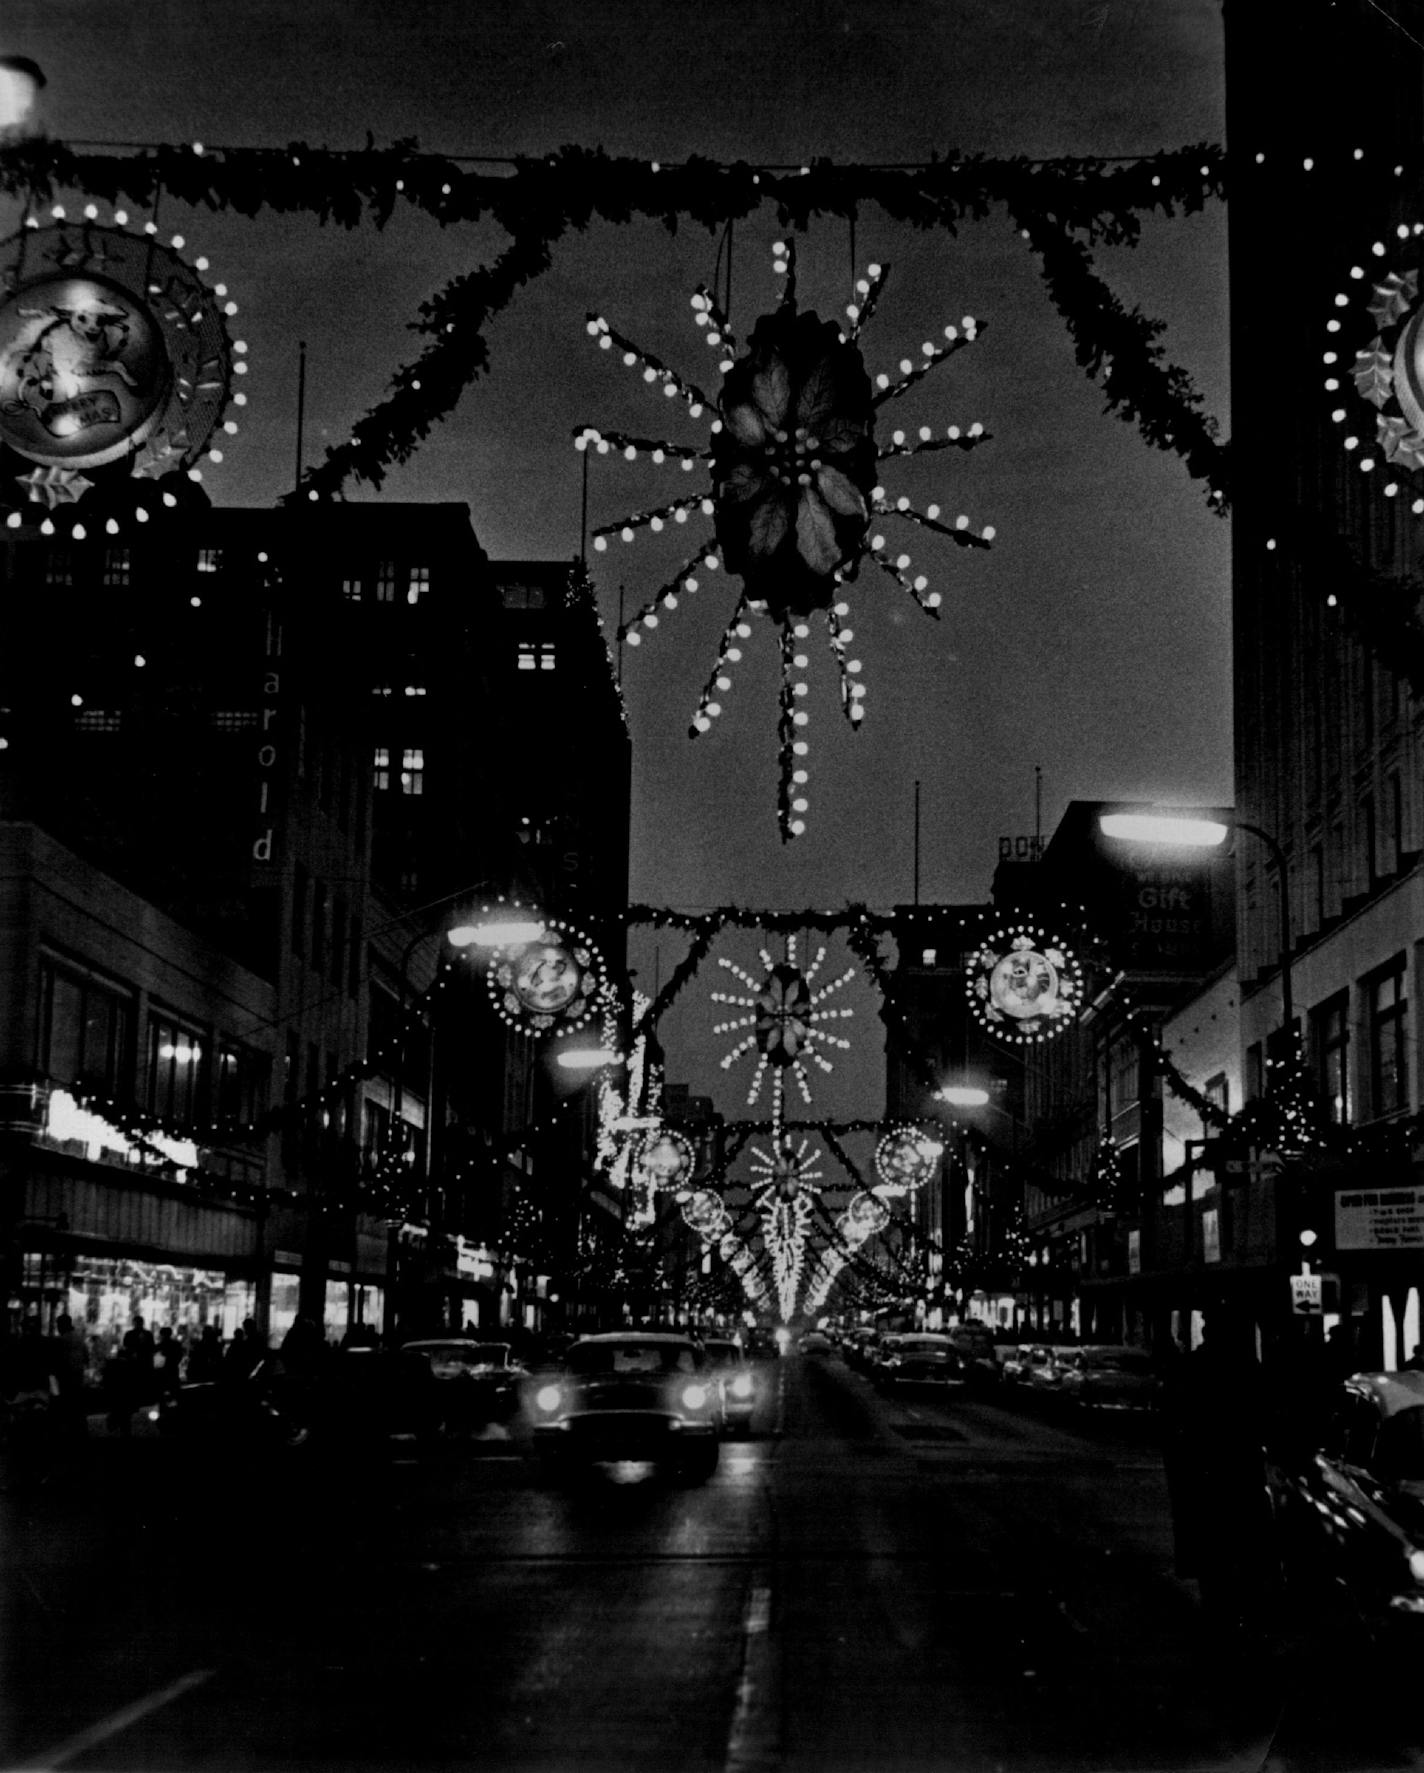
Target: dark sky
{"x":1093,"y":640}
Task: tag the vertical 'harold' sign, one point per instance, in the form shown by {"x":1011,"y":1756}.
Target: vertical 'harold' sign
{"x":1379,"y":1219}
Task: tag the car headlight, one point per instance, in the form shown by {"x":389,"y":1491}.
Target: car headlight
{"x":695,"y":1397}
{"x":1416,"y":1565}
{"x":742,"y":1385}
{"x":548,"y":1397}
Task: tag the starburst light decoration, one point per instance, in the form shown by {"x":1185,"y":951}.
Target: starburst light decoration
{"x":665,"y":1159}
{"x":1024,"y":986}
{"x":793,"y":492}
{"x":783,"y":1172}
{"x":783,"y":1022}
{"x":1387,"y":371}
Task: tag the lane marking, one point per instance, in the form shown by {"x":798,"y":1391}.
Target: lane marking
{"x":114,"y":1725}
{"x":753,"y":1739}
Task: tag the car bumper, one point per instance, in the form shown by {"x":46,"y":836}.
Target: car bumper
{"x":617,"y":1434}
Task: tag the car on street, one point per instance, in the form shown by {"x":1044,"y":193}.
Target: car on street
{"x":1100,"y":1376}
{"x":927,"y":1359}
{"x":475,"y":1382}
{"x":257,"y":1408}
{"x":814,"y":1342}
{"x":729,"y":1362}
{"x":631,"y":1395}
{"x":1350,"y":1514}
{"x":1039,"y":1367}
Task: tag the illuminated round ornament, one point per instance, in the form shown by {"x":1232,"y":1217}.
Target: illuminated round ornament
{"x":863,"y":1217}
{"x":1024,"y":986}
{"x":905,"y":1158}
{"x":705,"y":1213}
{"x":1387,"y":370}
{"x":557,"y":980}
{"x":116,"y":368}
{"x":665,"y":1159}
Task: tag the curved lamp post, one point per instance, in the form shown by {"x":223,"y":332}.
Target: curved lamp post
{"x":1184,"y":831}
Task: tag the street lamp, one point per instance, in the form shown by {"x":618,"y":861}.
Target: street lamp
{"x":21,"y":82}
{"x":1185,"y":831}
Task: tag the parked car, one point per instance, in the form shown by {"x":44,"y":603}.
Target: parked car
{"x":729,"y":1362}
{"x":762,"y":1345}
{"x":631,"y":1395}
{"x":857,"y":1345}
{"x":1350,"y":1515}
{"x":927,"y":1359}
{"x":978,"y":1354}
{"x":259,"y":1408}
{"x":1109,"y":1378}
{"x":1041,"y":1366}
{"x":478,"y":1382}
{"x":814,"y":1342}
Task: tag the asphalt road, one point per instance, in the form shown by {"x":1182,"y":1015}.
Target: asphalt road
{"x":917,"y":1583}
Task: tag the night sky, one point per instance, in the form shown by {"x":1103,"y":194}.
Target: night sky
{"x":1093,"y":640}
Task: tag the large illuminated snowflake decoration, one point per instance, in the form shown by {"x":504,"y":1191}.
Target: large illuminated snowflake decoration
{"x":785,"y":1227}
{"x":783,"y":1022}
{"x":783,"y":1172}
{"x":793,"y":464}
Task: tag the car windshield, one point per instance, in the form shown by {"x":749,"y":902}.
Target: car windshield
{"x":1400,"y":1454}
{"x":633,"y":1357}
{"x":445,"y":1356}
{"x":1117,"y":1360}
{"x":723,"y":1354}
{"x":919,"y":1344}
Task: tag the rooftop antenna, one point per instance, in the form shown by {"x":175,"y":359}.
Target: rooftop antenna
{"x":301,"y":406}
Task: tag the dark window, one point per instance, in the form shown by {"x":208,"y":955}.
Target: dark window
{"x":1217,"y":1091}
{"x":1396,"y":816}
{"x":59,"y":567}
{"x":98,"y":720}
{"x":86,"y":1033}
{"x":318,"y":926}
{"x":1255,"y":1072}
{"x":1369,"y":837}
{"x":338,"y":935}
{"x":386,"y":582}
{"x":234,"y":720}
{"x":299,"y":909}
{"x":1330,"y":1039}
{"x":1388,"y":1010}
{"x":240,"y":1075}
{"x":1317,"y":869}
{"x":175,"y":1066}
{"x":118,"y":566}
{"x":353,"y":971}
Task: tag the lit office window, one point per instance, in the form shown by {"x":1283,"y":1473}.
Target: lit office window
{"x":386,"y":582}
{"x":209,"y":560}
{"x":381,"y":769}
{"x":412,"y":778}
{"x":419,"y":584}
{"x":118,"y":565}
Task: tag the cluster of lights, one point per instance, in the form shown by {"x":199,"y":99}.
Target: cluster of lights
{"x":794,"y":718}
{"x":182,"y":307}
{"x":785,"y":1224}
{"x":545,"y":974}
{"x":1388,"y":372}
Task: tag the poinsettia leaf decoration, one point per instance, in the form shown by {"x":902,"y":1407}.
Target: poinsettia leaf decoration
{"x":794,"y":462}
{"x":1374,"y":374}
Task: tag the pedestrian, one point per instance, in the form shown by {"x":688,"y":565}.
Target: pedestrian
{"x":1214,"y":1443}
{"x":205,"y":1357}
{"x":167,"y":1362}
{"x":71,"y":1360}
{"x":139,"y":1346}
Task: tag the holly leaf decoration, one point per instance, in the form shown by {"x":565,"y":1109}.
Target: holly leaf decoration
{"x":1394,"y":297}
{"x":1400,"y":442}
{"x":1374,"y":375}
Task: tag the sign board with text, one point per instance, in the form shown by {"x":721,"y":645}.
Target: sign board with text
{"x":1379,"y":1219}
{"x":1306,"y":1294}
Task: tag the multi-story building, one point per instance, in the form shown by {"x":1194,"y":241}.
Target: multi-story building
{"x":287,"y":740}
{"x":1329,"y":715}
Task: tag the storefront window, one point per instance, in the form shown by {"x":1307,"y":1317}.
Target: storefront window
{"x":103,"y":1295}
{"x":175,"y":1063}
{"x":85,"y":1032}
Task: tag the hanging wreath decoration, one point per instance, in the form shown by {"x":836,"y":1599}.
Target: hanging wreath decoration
{"x":1388,"y":370}
{"x":665,"y":1159}
{"x":793,"y":464}
{"x":705,"y":1213}
{"x":116,"y":368}
{"x":905,"y":1158}
{"x":863,"y":1218}
{"x":556,"y":981}
{"x":1024,"y":986}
